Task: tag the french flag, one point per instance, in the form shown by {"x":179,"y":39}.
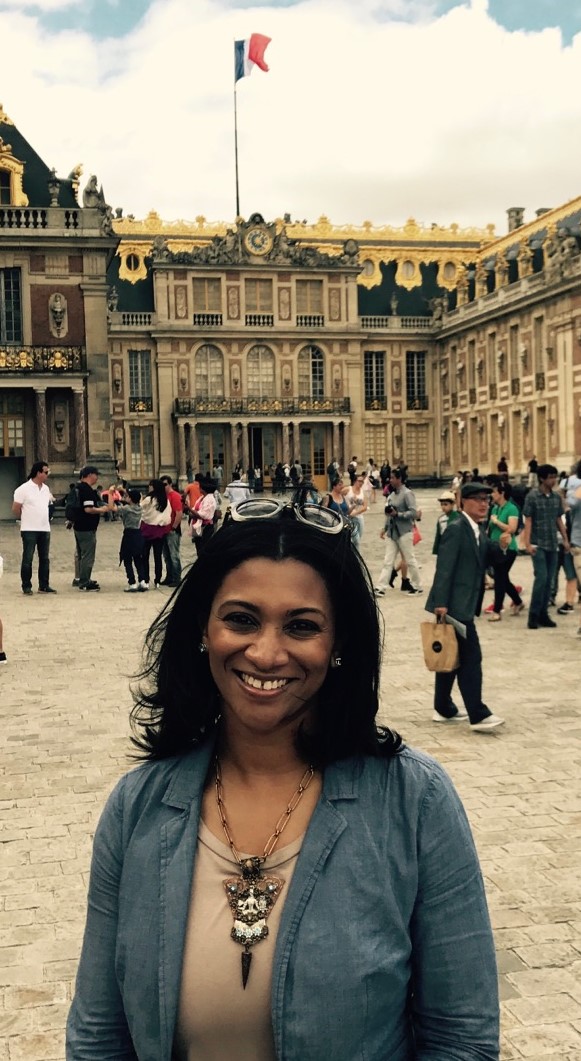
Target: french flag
{"x":248,"y":54}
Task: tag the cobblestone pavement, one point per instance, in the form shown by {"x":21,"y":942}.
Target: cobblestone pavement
{"x":64,"y":703}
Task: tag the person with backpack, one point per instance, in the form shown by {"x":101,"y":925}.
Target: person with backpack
{"x":84,"y":515}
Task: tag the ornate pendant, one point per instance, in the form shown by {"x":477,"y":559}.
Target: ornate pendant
{"x":251,"y":897}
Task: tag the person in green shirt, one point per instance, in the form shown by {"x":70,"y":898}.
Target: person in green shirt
{"x":504,"y":516}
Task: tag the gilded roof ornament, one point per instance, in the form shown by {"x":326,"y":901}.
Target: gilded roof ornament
{"x":4,"y":117}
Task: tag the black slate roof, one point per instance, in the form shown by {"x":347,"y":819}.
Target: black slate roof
{"x":36,"y":172}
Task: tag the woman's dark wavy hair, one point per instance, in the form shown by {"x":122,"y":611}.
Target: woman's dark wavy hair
{"x":157,"y":491}
{"x":176,"y":704}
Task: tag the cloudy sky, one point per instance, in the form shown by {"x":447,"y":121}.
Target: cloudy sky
{"x":372,"y":109}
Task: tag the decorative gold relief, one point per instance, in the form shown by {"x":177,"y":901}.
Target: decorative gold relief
{"x":132,"y":266}
{"x":4,"y":117}
{"x":15,"y":168}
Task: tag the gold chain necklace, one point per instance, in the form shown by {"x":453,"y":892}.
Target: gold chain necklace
{"x":252,"y":896}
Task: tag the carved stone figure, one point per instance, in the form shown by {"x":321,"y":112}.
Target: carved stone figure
{"x":91,"y":197}
{"x":57,"y":306}
{"x":284,"y":304}
{"x":438,"y":306}
{"x":233,"y":304}
{"x":501,"y":270}
{"x":112,"y":299}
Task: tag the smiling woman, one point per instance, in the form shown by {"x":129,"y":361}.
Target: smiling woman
{"x":283,"y":879}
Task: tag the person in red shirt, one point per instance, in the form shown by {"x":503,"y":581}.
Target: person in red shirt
{"x":172,"y":541}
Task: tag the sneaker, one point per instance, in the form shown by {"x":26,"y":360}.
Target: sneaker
{"x":405,"y":585}
{"x":76,"y":582}
{"x":487,"y":724}
{"x":547,"y":622}
{"x":144,"y":586}
{"x":379,"y":592}
{"x":90,"y":586}
{"x":415,"y":589}
{"x":518,"y":589}
{"x":490,"y":609}
{"x":3,"y":658}
{"x":132,"y":588}
{"x":565,"y":609}
{"x":47,"y":589}
{"x":516,"y":609}
{"x":27,"y":592}
{"x":460,"y":716}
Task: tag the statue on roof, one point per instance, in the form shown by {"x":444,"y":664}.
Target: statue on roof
{"x":91,"y":197}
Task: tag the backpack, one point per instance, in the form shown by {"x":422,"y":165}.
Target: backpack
{"x":73,"y":507}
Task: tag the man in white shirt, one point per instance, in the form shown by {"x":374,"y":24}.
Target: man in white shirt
{"x":30,"y":506}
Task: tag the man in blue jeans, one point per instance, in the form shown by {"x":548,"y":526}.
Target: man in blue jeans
{"x":543,"y":516}
{"x":30,"y":506}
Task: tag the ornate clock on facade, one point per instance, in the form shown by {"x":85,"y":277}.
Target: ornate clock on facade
{"x":258,"y":240}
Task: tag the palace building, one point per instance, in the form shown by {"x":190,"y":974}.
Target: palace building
{"x":149,"y":347}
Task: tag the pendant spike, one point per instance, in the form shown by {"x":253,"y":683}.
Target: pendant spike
{"x":246,"y":962}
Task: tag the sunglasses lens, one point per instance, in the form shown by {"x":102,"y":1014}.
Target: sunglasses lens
{"x":323,"y":518}
{"x":256,"y":508}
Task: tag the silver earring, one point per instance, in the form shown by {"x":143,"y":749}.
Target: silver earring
{"x":202,"y":647}
{"x":336,"y":662}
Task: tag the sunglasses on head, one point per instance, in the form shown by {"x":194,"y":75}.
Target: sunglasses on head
{"x":324,"y":519}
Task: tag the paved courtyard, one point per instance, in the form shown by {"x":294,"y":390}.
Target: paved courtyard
{"x":64,"y":741}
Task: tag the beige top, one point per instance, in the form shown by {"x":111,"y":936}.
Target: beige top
{"x":217,"y":1017}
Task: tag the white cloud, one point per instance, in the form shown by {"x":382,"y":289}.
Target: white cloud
{"x":446,"y":119}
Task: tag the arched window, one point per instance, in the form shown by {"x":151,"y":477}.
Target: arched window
{"x":209,"y":372}
{"x":5,"y":188}
{"x":260,"y":372}
{"x":311,"y":373}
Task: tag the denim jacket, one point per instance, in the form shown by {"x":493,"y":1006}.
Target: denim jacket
{"x":384,"y":951}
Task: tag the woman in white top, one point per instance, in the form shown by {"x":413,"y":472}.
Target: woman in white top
{"x":155,"y":524}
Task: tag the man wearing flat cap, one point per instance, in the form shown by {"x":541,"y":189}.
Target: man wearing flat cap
{"x":457,"y":591}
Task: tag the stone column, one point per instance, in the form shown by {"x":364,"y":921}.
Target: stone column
{"x":182,"y":456}
{"x":80,"y":430}
{"x":297,"y":439}
{"x":347,"y":454}
{"x":285,"y":443}
{"x":234,"y":457}
{"x":336,"y":442}
{"x":245,"y":448}
{"x":194,"y":447}
{"x":41,"y":429}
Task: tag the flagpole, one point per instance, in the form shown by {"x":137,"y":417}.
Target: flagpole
{"x":236,"y":151}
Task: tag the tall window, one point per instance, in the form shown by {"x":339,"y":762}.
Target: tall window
{"x":207,"y":295}
{"x":538,"y":350}
{"x":258,"y":296}
{"x":513,"y":351}
{"x":140,"y":393}
{"x":491,"y":357}
{"x":309,"y":296}
{"x":10,"y":306}
{"x":374,"y":378}
{"x":209,"y":372}
{"x":311,"y":373}
{"x":5,"y":188}
{"x":415,"y":375}
{"x":141,"y":452}
{"x":260,"y":372}
{"x":471,"y":363}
